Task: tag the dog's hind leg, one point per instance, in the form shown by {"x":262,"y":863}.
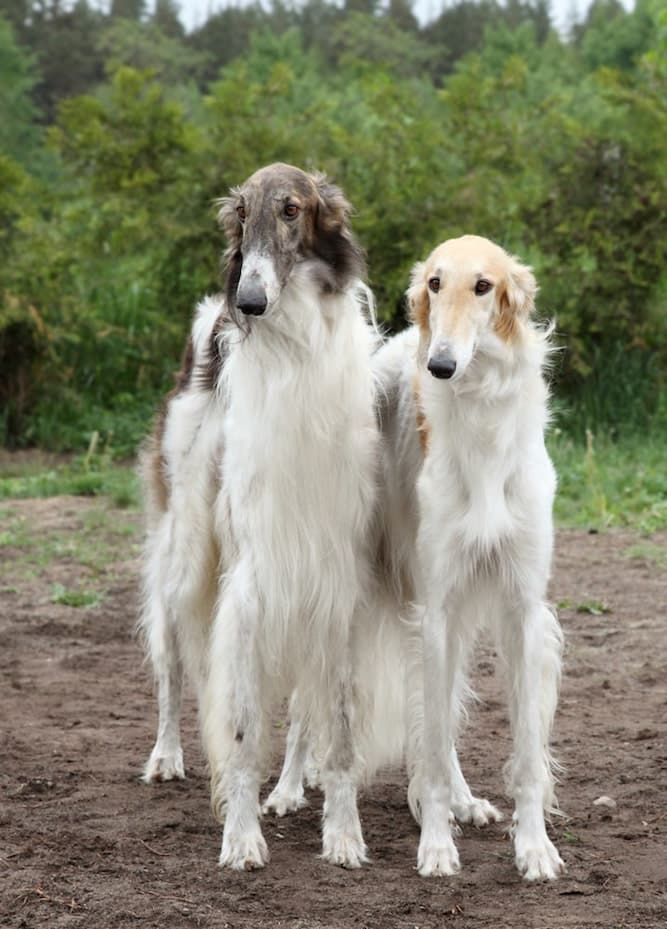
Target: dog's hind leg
{"x":465,"y":806}
{"x":288,"y":794}
{"x":166,"y":759}
{"x":532,"y":650}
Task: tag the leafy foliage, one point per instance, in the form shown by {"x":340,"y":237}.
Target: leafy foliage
{"x":483,"y":120}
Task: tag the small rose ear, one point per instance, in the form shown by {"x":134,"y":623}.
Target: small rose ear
{"x":417,"y":296}
{"x":228,"y":217}
{"x":334,"y":209}
{"x":517,"y":299}
{"x":333,"y":241}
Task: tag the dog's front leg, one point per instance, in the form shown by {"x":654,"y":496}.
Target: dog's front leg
{"x":441,"y":654}
{"x":235,"y":724}
{"x":532,"y":649}
{"x":342,"y":839}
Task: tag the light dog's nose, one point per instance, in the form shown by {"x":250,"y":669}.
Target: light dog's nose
{"x":442,"y":366}
{"x":251,"y":299}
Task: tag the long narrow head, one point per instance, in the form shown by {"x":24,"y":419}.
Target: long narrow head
{"x":467,"y":294}
{"x":278,"y":217}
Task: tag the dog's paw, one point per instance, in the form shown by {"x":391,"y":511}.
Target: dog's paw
{"x":438,"y":859}
{"x":477,"y":811}
{"x":244,"y":852}
{"x":348,"y":851}
{"x":282,"y":801}
{"x":538,"y":861}
{"x":164,"y":766}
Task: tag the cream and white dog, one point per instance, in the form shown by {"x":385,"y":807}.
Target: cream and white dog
{"x":469,"y":519}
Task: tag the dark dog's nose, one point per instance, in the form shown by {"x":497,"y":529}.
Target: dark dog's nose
{"x":442,"y":366}
{"x":251,"y":298}
{"x":252,"y":306}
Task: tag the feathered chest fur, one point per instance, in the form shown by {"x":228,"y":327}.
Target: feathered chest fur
{"x":300,"y":447}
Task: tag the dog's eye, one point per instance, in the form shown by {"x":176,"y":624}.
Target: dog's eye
{"x":290,"y":211}
{"x":483,"y":287}
{"x":240,"y":212}
{"x":434,"y":284}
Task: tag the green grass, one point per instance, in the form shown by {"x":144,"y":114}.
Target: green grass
{"x":646,"y":551}
{"x":81,"y":477}
{"x":76,"y":598}
{"x":604,"y":483}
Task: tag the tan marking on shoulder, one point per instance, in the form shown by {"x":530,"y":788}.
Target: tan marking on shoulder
{"x":423,"y":427}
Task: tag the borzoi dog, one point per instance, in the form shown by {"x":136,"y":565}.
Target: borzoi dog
{"x":261,"y":483}
{"x":466,"y":382}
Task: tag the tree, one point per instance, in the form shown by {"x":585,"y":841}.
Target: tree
{"x":128,"y":9}
{"x":19,"y":135}
{"x":614,"y":38}
{"x":167,"y":18}
{"x":65,"y":44}
{"x":143,"y":46}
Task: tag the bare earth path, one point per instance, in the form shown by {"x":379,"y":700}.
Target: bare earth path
{"x":83,"y":843}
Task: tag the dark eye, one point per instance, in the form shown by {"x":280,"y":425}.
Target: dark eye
{"x":240,"y":212}
{"x":483,"y":287}
{"x":434,"y":284}
{"x":290,"y":211}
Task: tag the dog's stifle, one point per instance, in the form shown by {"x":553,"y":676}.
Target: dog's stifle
{"x":261,"y":479}
{"x":475,"y":362}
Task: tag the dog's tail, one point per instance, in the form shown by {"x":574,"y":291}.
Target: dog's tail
{"x":382,"y":649}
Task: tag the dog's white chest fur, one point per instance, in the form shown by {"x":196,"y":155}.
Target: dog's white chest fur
{"x":299,"y":463}
{"x":487,"y":483}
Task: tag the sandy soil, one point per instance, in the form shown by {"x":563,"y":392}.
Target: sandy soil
{"x":83,"y":843}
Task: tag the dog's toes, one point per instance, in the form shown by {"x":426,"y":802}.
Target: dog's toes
{"x":347,"y":851}
{"x":164,"y":766}
{"x":477,"y":811}
{"x":539,"y":862}
{"x":246,"y":852}
{"x":281,"y":802}
{"x":438,"y":859}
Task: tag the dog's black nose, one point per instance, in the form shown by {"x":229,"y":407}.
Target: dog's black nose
{"x":442,"y":366}
{"x":252,"y":306}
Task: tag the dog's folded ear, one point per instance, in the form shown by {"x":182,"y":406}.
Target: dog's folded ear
{"x":333,"y":208}
{"x":333,"y":241}
{"x":517,"y":299}
{"x":417,"y":297}
{"x":233,"y":257}
{"x":228,"y":217}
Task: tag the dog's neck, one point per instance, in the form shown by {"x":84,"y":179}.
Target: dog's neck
{"x":300,"y":326}
{"x":501,"y":399}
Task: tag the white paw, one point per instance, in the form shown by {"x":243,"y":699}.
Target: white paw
{"x":244,"y":852}
{"x":477,"y":811}
{"x":348,"y":851}
{"x":438,"y":859}
{"x":282,"y":801}
{"x":164,"y":765}
{"x":538,"y":861}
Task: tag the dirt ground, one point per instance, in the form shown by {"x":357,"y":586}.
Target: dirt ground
{"x":84,"y":843}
